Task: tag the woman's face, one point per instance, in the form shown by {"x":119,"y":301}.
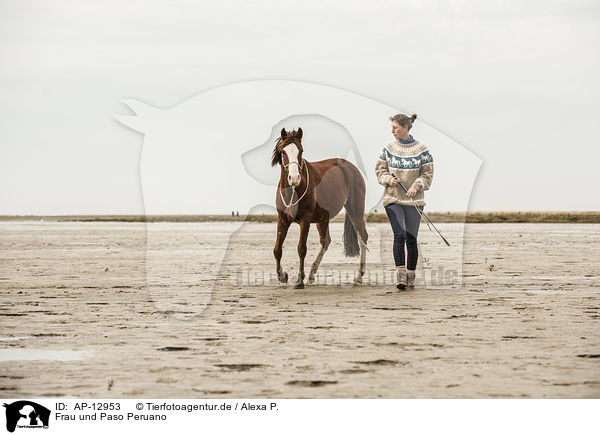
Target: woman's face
{"x":399,"y":132}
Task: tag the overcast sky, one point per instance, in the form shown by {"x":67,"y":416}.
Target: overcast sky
{"x":516,"y":83}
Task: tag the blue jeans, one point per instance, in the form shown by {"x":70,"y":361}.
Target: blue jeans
{"x":405,"y":220}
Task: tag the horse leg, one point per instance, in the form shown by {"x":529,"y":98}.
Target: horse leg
{"x":325,"y":240}
{"x":282,"y":229}
{"x":358,"y":222}
{"x":304,"y":227}
{"x":363,"y":256}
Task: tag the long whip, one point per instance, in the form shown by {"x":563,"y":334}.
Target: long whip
{"x":422,"y":214}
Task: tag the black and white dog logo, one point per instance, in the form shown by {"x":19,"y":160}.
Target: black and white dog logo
{"x":26,"y":414}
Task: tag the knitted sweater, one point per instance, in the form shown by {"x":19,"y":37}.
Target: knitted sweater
{"x":411,"y":163}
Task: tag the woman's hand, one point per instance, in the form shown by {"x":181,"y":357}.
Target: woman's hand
{"x":411,"y":192}
{"x":394,"y":182}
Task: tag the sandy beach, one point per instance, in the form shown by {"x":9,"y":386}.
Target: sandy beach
{"x":125,"y":310}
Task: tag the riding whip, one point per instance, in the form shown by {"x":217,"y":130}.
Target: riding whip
{"x":422,"y":214}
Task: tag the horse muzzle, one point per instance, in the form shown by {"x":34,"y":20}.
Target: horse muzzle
{"x":294,"y":180}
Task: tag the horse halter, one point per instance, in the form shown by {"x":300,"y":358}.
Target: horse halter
{"x":291,"y":204}
{"x":295,"y":163}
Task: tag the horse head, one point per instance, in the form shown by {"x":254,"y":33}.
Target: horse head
{"x":288,"y":153}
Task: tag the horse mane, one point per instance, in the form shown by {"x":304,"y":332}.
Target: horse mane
{"x":276,"y":157}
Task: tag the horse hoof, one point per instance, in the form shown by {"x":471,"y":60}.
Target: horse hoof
{"x":299,"y":285}
{"x":310,"y":280}
{"x":283,"y":278}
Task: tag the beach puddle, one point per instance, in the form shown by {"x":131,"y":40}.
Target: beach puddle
{"x":37,"y":355}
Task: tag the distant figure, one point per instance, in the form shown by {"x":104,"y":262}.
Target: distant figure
{"x":404,"y":161}
{"x":237,"y":213}
{"x":232,"y":214}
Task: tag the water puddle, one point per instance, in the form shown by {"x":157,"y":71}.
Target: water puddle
{"x":37,"y":355}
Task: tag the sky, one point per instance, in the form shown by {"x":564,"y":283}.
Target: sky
{"x":515,"y":83}
{"x":191,"y":158}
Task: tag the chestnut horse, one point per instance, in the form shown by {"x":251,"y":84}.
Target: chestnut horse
{"x":314,"y":192}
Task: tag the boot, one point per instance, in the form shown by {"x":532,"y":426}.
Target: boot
{"x":410,"y":279}
{"x":400,"y":277}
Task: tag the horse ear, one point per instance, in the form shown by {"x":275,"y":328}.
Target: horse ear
{"x":283,"y":133}
{"x":299,"y":133}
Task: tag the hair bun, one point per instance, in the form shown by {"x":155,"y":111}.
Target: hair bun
{"x":413,"y":117}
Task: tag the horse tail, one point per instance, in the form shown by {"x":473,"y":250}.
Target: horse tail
{"x":351,"y":248}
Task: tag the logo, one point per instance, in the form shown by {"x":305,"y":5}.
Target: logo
{"x":26,"y":414}
{"x":212,"y":154}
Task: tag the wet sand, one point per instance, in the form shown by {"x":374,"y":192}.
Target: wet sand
{"x":79,"y":320}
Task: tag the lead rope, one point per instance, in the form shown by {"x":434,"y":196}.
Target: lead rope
{"x":423,"y":215}
{"x":420,"y":213}
{"x":294,"y":189}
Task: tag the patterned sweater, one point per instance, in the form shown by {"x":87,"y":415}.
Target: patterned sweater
{"x":412,"y":164}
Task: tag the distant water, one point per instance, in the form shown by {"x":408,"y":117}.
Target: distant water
{"x":36,"y":355}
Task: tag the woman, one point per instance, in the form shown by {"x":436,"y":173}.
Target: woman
{"x":404,"y":162}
